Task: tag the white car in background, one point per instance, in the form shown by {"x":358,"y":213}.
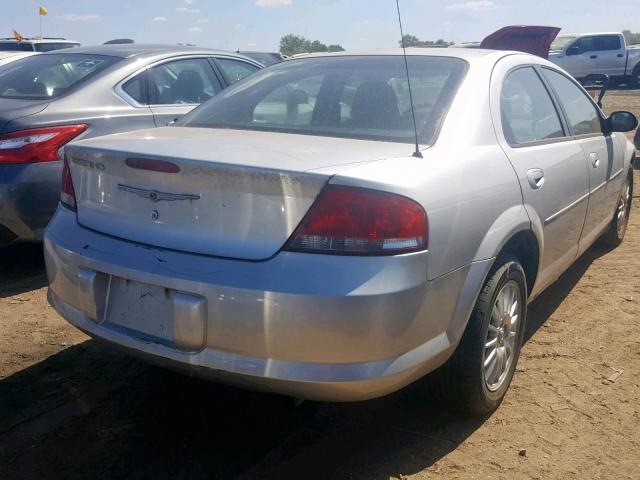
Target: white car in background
{"x":8,"y":57}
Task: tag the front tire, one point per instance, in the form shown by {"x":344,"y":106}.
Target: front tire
{"x":477,"y":376}
{"x":634,"y":81}
{"x":618,"y":227}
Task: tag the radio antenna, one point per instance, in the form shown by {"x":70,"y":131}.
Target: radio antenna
{"x":417,"y":152}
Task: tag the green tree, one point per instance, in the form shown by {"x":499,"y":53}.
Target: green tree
{"x":413,"y":41}
{"x":294,"y":44}
{"x":630,"y":37}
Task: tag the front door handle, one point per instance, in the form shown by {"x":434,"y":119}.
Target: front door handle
{"x":535,"y":176}
{"x":595,"y":159}
{"x":593,"y":57}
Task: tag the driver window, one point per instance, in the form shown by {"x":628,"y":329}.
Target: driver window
{"x":585,"y":44}
{"x":528,"y":114}
{"x":581,"y":113}
{"x":189,"y":81}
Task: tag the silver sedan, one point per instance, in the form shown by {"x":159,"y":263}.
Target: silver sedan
{"x":289,"y":235}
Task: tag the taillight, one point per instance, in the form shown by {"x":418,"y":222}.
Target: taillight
{"x":67,"y":192}
{"x":356,"y":221}
{"x":36,"y":144}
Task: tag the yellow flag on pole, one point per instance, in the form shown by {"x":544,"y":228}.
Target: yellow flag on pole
{"x":42,"y":10}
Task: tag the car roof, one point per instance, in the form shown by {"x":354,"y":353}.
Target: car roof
{"x":140,"y":50}
{"x":468,"y":54}
{"x":39,"y":40}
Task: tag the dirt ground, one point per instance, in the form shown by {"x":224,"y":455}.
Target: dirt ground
{"x":73,"y":408}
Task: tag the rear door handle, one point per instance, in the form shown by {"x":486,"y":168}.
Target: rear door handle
{"x":535,"y":176}
{"x":593,"y":56}
{"x":620,"y":55}
{"x":595,"y":159}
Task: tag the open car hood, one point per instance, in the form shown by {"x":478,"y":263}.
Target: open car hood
{"x":522,"y":38}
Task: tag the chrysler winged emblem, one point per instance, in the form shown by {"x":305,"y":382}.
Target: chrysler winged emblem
{"x":156,"y":196}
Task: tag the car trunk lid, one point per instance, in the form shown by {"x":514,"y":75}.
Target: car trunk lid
{"x":522,"y":38}
{"x":236,"y":194}
{"x":14,"y":109}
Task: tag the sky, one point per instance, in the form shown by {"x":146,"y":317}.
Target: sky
{"x":259,"y":24}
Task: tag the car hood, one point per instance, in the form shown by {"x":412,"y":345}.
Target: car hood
{"x":522,"y":38}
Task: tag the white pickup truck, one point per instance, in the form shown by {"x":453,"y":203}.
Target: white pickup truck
{"x":590,"y":53}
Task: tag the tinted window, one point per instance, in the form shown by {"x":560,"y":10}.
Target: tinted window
{"x":581,"y":113}
{"x":350,"y":96}
{"x":137,"y":88}
{"x":49,"y":47}
{"x":16,"y":47}
{"x":48,"y":76}
{"x":235,"y":70}
{"x":528,"y":114}
{"x":608,"y":42}
{"x":585,"y":44}
{"x":266,"y":59}
{"x":189,"y":81}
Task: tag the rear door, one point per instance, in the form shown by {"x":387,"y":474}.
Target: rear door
{"x":604,"y":162}
{"x":611,"y":54}
{"x":178,"y":85}
{"x":550,"y":165}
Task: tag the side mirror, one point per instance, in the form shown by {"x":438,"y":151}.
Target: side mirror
{"x":622,"y":122}
{"x":573,"y":50}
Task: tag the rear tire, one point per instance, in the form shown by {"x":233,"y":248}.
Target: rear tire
{"x":468,"y":382}
{"x":618,"y":227}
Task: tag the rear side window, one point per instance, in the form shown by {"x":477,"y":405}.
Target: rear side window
{"x":235,"y":70}
{"x":528,"y":113}
{"x":581,"y":113}
{"x":608,"y":42}
{"x":137,"y":88}
{"x":43,"y":77}
{"x":188,"y":81}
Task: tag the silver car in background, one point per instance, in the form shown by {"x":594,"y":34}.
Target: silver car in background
{"x":53,"y":98}
{"x":286,"y":236}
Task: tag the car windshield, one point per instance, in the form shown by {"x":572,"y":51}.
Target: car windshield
{"x":562,"y":41}
{"x":43,"y":77}
{"x":364,"y":97}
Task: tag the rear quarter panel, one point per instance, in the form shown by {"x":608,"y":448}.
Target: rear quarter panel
{"x":464,"y":182}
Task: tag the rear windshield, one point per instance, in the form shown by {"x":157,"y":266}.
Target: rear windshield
{"x":16,"y":47}
{"x":266,"y":59}
{"x":355,"y":97}
{"x":42,"y":77}
{"x":49,"y":47}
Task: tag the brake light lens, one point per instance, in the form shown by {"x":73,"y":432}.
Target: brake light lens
{"x":36,"y":144}
{"x":356,"y":221}
{"x":67,"y":192}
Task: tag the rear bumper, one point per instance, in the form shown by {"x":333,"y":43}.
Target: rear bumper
{"x":28,"y":198}
{"x":312,"y":326}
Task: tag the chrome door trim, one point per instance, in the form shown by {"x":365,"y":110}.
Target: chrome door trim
{"x":597,"y":188}
{"x":566,"y":209}
{"x":617,"y":174}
